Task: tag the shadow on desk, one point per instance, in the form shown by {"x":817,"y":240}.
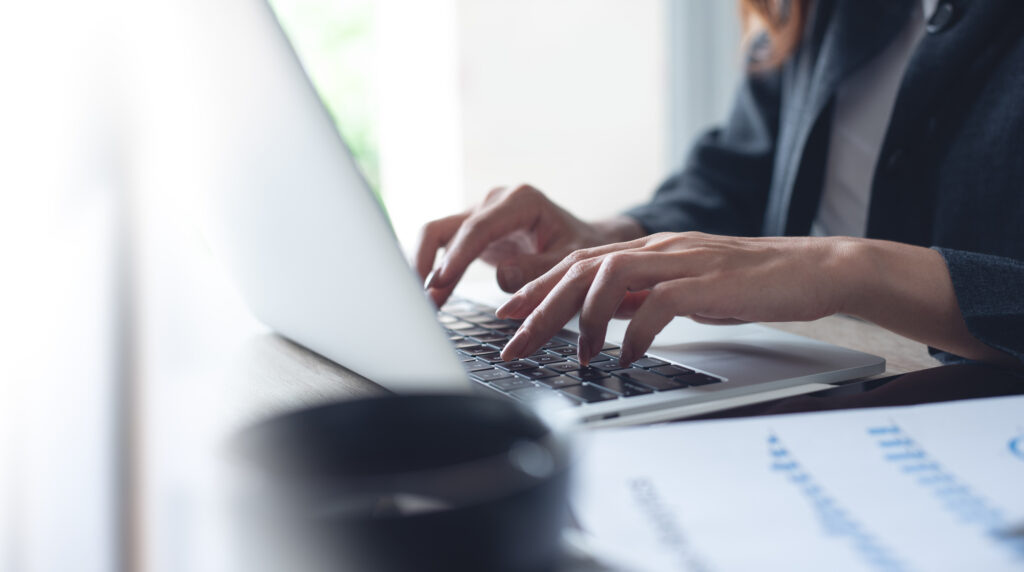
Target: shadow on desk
{"x":945,"y":383}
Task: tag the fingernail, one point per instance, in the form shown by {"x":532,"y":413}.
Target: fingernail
{"x":430,"y":279}
{"x":510,"y":276}
{"x":439,"y":273}
{"x":583,"y":350}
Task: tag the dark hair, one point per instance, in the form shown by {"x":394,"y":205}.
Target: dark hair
{"x":782,"y":21}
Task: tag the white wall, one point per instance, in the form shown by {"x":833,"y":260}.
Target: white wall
{"x":706,"y":64}
{"x":568,"y":95}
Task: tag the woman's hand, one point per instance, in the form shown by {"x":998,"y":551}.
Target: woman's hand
{"x":517,"y":229}
{"x":727,"y":280}
{"x":712,"y":279}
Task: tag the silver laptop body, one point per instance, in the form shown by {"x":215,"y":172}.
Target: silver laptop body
{"x":315,"y":258}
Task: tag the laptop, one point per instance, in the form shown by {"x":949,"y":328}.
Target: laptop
{"x":315,"y":258}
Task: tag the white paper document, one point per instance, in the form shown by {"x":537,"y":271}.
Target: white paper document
{"x":929,"y":487}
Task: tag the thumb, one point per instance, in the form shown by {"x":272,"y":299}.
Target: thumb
{"x":517,"y":271}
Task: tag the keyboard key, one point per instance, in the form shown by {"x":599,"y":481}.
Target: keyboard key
{"x":671,"y":370}
{"x":545,"y":359}
{"x":475,"y":365}
{"x":447,"y":319}
{"x":488,"y":338}
{"x":652,"y":380}
{"x":467,"y":313}
{"x":596,"y":359}
{"x":536,"y":373}
{"x":610,"y":365}
{"x":459,"y":326}
{"x":512,"y":383}
{"x":516,"y":365}
{"x":475,"y":332}
{"x":491,"y":358}
{"x":465,"y":343}
{"x":564,"y":351}
{"x":697,"y":379}
{"x":507,"y":330}
{"x":622,"y":387}
{"x":563,"y":367}
{"x":490,"y":374}
{"x":534,"y":393}
{"x":493,"y":324}
{"x":587,"y":374}
{"x":478,"y":349}
{"x":589,"y":393}
{"x":609,"y":347}
{"x":559,"y":381}
{"x":648,"y":362}
{"x":615,"y":353}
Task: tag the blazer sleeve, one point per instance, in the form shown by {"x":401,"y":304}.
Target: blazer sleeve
{"x":724,"y":184}
{"x":988,"y":289}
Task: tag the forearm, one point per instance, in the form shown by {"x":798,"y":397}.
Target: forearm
{"x":907,"y":289}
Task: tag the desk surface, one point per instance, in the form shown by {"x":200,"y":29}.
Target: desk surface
{"x":206,"y":368}
{"x":275,"y":374}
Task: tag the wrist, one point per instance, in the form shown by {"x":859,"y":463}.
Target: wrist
{"x":857,"y":269}
{"x":621,"y":228}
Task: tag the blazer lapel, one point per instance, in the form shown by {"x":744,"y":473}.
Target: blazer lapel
{"x":851,"y":32}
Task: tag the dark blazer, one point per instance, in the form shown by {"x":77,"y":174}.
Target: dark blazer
{"x":951,"y":170}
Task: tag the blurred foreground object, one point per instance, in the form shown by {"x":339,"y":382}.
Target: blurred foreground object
{"x":404,"y":483}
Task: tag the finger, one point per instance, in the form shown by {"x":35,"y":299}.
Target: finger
{"x":533,"y":293}
{"x":630,"y":303}
{"x":440,"y":295}
{"x":518,"y":209}
{"x":619,"y":274}
{"x":515,"y":272}
{"x":435,"y":234}
{"x":557,"y":309}
{"x":718,"y":321}
{"x":667,"y":300}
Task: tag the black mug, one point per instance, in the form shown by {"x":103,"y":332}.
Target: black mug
{"x":430,"y":482}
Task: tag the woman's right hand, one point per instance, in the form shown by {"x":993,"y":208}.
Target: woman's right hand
{"x":516,"y":229}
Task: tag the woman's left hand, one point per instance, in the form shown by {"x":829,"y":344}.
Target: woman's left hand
{"x":711,"y":279}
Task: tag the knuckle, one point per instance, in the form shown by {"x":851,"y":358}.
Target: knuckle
{"x":524,"y":192}
{"x":577,"y":256}
{"x":493,"y":194}
{"x":427,"y":231}
{"x":615,"y":264}
{"x":578,"y":271}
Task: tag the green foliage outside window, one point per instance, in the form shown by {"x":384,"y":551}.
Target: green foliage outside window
{"x":335,"y":41}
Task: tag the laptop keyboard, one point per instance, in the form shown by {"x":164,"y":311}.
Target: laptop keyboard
{"x":554,"y":370}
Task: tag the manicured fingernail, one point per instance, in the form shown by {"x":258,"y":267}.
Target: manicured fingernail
{"x":430,"y":279}
{"x":511,"y":277}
